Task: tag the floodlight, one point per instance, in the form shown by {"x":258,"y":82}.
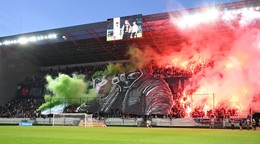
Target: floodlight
{"x":32,"y":39}
{"x":6,"y":42}
{"x":23,"y":40}
{"x":52,"y":36}
{"x":64,"y":37}
{"x":40,"y":38}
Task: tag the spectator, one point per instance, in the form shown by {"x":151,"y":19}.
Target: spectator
{"x":21,"y":107}
{"x":240,"y":125}
{"x":247,"y":124}
{"x":254,"y":124}
{"x":232,"y":124}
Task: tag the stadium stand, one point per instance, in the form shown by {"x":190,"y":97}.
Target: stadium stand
{"x":21,"y":107}
{"x":30,"y":93}
{"x":87,"y":44}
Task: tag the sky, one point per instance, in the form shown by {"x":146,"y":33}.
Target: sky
{"x":23,"y":16}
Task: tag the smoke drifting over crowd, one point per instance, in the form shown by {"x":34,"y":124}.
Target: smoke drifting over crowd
{"x":114,"y":69}
{"x":222,"y":51}
{"x":67,"y":90}
{"x":230,"y":42}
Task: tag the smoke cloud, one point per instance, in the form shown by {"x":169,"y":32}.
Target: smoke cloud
{"x":225,"y":46}
{"x":67,"y":90}
{"x":233,"y":48}
{"x":114,"y":69}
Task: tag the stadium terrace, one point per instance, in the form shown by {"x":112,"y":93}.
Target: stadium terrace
{"x":191,"y":68}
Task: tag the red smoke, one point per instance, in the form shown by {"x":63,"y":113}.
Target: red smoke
{"x":233,"y":47}
{"x":226,"y":46}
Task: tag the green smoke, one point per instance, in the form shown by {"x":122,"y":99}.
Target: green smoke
{"x":114,"y":69}
{"x":141,"y":58}
{"x":138,"y":59}
{"x":67,"y":90}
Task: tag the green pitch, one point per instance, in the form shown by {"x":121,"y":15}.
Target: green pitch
{"x":123,"y":135}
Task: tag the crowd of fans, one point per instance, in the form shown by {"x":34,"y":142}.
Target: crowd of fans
{"x":71,"y":108}
{"x":21,"y":107}
{"x":186,"y":70}
{"x":170,"y":72}
{"x":26,"y":102}
{"x":30,"y":91}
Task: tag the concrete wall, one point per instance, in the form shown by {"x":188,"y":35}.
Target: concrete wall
{"x":15,"y":65}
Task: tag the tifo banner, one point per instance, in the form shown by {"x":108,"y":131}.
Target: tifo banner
{"x":55,"y":110}
{"x":136,"y":92}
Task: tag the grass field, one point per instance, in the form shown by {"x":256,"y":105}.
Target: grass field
{"x":123,"y":135}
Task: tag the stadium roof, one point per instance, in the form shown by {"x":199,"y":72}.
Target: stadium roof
{"x":87,"y":43}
